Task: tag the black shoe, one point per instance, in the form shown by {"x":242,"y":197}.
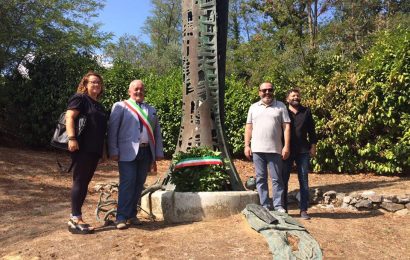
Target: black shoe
{"x":76,"y":228}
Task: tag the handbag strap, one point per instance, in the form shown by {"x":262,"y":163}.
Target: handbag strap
{"x":64,"y":169}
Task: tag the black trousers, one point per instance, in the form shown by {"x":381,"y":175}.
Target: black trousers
{"x":83,"y":171}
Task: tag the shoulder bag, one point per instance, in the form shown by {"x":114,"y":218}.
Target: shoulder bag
{"x":60,"y":137}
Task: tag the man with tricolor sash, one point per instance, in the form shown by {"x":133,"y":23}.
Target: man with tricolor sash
{"x":134,"y":140}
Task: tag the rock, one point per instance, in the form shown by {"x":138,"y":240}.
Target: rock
{"x":353,"y":201}
{"x":339,"y":199}
{"x":375,"y":205}
{"x":354,"y":195}
{"x":402,"y":212}
{"x":315,"y":195}
{"x":340,"y":195}
{"x":345,"y":205}
{"x":364,"y":204}
{"x":375,"y":198}
{"x":318,"y":192}
{"x":353,"y":208}
{"x":292,"y":197}
{"x":347,"y":199}
{"x":331,"y":194}
{"x":292,"y":200}
{"x":392,"y":207}
{"x":298,"y":196}
{"x":408,"y":206}
{"x":315,"y":200}
{"x":390,"y":198}
{"x":368,"y":193}
{"x":403,"y":199}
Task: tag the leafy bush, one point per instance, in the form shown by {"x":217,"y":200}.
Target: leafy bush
{"x":164,"y":92}
{"x":117,"y":80}
{"x":199,"y":178}
{"x":383,"y":104}
{"x":238,"y":99}
{"x":32,"y":104}
{"x":364,"y":115}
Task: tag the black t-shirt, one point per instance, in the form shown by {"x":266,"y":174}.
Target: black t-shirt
{"x":303,"y":133}
{"x":92,"y":138}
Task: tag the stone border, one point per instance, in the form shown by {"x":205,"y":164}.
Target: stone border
{"x":366,"y":200}
{"x":176,"y":207}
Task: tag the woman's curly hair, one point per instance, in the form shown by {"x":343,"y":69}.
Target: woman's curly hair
{"x":82,"y":87}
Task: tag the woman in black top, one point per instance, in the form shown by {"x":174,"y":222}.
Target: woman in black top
{"x":87,"y":149}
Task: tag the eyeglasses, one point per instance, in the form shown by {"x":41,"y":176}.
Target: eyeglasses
{"x":267,"y":90}
{"x":94,"y":82}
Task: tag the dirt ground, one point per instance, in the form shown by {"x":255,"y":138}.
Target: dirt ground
{"x":34,"y":209}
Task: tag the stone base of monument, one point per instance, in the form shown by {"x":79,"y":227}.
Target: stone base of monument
{"x":176,"y":207}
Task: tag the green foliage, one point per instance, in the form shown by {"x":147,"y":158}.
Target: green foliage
{"x":32,"y":28}
{"x":364,"y":115}
{"x":129,"y":49}
{"x":117,"y":80}
{"x":238,"y":98}
{"x":164,"y":92}
{"x":164,"y":26}
{"x":32,"y":104}
{"x":384,"y":81}
{"x":199,"y":178}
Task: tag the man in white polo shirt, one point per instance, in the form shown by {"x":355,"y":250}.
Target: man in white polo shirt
{"x":267,"y":120}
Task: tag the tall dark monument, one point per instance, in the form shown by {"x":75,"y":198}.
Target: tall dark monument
{"x":203,"y":56}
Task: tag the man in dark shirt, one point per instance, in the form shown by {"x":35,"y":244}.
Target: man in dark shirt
{"x":303,"y":146}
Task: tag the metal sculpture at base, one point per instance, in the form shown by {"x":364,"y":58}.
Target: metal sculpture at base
{"x":204,"y":54}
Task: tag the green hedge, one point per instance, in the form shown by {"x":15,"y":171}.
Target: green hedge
{"x":364,"y":115}
{"x":165,"y":94}
{"x":32,"y":103}
{"x":238,"y":98}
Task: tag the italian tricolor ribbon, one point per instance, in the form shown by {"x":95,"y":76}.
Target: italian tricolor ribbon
{"x":197,"y":161}
{"x":143,"y":117}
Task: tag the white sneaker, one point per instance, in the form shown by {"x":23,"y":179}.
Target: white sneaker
{"x":281,"y":210}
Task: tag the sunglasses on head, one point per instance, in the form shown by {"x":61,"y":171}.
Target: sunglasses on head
{"x":268,"y":90}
